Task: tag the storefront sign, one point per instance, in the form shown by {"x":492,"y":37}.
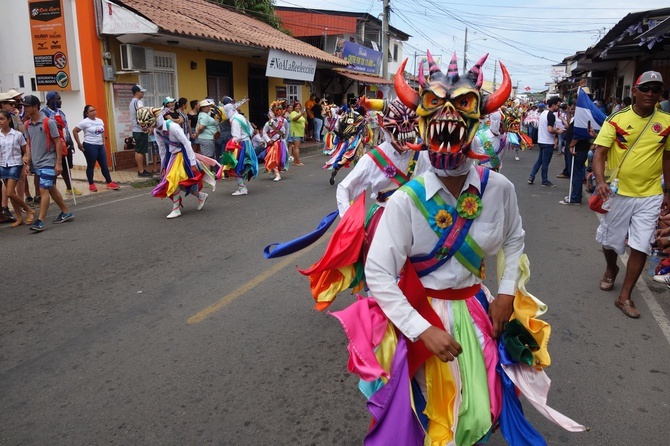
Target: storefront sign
{"x":285,"y":65}
{"x":361,"y":58}
{"x":50,"y":56}
{"x":123,"y":126}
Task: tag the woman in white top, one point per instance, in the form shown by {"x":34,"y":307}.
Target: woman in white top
{"x":93,"y":147}
{"x":14,"y":162}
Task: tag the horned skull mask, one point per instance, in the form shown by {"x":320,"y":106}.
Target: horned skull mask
{"x":449,"y":107}
{"x":400,"y":121}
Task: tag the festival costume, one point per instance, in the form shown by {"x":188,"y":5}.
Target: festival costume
{"x":491,"y":141}
{"x":239,"y":159}
{"x":180,"y":165}
{"x":435,"y":244}
{"x":274,"y":134}
{"x":330,"y":123}
{"x":352,"y":134}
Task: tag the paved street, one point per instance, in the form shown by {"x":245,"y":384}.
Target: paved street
{"x":124,"y":328}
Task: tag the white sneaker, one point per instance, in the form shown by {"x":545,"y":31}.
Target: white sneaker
{"x":174,"y":214}
{"x":662,"y":278}
{"x":202,"y":197}
{"x":277,"y":178}
{"x":290,"y":158}
{"x":516,"y":157}
{"x":242,"y":191}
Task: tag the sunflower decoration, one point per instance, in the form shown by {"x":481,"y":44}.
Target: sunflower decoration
{"x":469,"y":206}
{"x":443,"y":219}
{"x":482,"y":271}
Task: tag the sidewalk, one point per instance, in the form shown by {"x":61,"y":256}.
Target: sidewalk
{"x":129,"y":178}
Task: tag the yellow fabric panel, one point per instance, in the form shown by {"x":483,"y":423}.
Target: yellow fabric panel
{"x":440,"y":401}
{"x":176,"y":174}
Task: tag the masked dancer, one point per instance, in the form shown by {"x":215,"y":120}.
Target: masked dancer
{"x":274,"y":135}
{"x":440,"y":357}
{"x":351,"y":136}
{"x":239,"y":160}
{"x":179,"y":167}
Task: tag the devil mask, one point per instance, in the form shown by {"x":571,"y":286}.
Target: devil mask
{"x":449,"y":107}
{"x":400,"y":121}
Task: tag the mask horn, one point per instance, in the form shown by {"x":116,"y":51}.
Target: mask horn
{"x":432,"y":66}
{"x":422,"y":76}
{"x":371,"y":104}
{"x":498,"y":97}
{"x":452,"y":71}
{"x":475,"y":74}
{"x":406,"y":94}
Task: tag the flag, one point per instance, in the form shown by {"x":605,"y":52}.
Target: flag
{"x":527,"y":88}
{"x":586,"y":112}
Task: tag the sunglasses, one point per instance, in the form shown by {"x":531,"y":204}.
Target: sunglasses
{"x":646,"y":89}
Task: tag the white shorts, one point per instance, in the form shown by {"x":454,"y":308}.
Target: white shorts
{"x":632,"y":217}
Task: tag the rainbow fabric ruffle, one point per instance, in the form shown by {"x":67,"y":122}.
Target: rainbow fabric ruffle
{"x":460,"y":402}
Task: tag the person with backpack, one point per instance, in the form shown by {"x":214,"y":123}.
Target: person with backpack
{"x":46,"y":155}
{"x":53,"y":110}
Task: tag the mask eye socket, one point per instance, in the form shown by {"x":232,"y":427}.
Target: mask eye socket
{"x":431,"y":101}
{"x":467,"y":103}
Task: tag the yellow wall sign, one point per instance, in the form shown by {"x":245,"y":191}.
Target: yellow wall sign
{"x":47,"y":28}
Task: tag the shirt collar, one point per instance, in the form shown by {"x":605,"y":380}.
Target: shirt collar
{"x":434,"y":184}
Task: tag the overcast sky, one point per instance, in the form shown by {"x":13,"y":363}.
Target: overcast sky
{"x":527,"y":39}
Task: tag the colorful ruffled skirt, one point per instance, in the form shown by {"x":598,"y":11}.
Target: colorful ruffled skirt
{"x":239,"y":160}
{"x":416,"y":400}
{"x":178,"y":176}
{"x":346,"y":152}
{"x":277,"y":156}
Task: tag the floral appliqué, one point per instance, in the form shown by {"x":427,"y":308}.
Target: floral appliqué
{"x":469,"y":206}
{"x":443,"y":219}
{"x":390,"y":171}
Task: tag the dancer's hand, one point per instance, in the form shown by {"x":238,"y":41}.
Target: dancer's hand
{"x":500,"y":311}
{"x":441,"y":343}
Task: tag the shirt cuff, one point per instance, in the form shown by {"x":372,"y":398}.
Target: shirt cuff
{"x":507,"y":287}
{"x":414,"y":325}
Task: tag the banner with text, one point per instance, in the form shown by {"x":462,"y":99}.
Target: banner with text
{"x":289,"y":66}
{"x":361,"y":58}
{"x":50,"y":56}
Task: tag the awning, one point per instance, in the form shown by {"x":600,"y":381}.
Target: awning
{"x":370,"y":79}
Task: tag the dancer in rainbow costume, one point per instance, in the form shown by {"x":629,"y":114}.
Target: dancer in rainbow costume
{"x":239,"y":158}
{"x":516,"y":139}
{"x":274,"y":135}
{"x":180,"y":167}
{"x":330,"y":123}
{"x":491,"y":141}
{"x":352,"y":134}
{"x":442,"y":359}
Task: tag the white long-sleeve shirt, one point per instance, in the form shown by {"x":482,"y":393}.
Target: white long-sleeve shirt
{"x":404,"y":232}
{"x":237,"y":131}
{"x":280,"y":128}
{"x":176,"y":134}
{"x":368,"y":174}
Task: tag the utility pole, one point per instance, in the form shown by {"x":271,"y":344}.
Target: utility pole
{"x":465,"y":52}
{"x":414,"y":70}
{"x":495,"y":70}
{"x":325,"y":39}
{"x":385,"y":40}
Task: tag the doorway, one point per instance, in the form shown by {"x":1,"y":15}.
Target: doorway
{"x":258,"y":95}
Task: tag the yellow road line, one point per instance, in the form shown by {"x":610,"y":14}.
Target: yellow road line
{"x":244,"y":288}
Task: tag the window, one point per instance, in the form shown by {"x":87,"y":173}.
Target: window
{"x":294,"y":93}
{"x":395,"y":52}
{"x":161,"y":82}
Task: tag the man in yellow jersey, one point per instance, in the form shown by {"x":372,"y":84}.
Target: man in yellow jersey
{"x":640,"y":134}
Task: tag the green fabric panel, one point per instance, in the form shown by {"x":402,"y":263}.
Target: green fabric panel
{"x":519,"y":343}
{"x":474,"y":419}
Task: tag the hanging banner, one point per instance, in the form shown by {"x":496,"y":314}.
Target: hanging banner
{"x":361,"y":58}
{"x":50,"y":55}
{"x":289,"y":66}
{"x":118,"y":20}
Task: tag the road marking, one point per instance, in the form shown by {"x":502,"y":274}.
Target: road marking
{"x":244,"y":288}
{"x":654,"y":307}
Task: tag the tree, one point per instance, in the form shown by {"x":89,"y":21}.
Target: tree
{"x":263,"y":10}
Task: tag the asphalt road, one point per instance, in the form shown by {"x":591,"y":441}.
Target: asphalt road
{"x":124,"y":328}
